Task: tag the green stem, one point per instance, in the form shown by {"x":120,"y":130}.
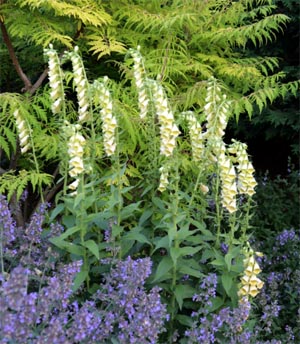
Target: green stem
{"x":218,"y":208}
{"x":176,"y":243}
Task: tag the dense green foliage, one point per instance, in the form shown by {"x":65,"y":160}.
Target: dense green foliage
{"x":135,"y":164}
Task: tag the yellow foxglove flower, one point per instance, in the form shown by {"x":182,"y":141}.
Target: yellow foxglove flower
{"x":109,"y":121}
{"x":196,"y":137}
{"x":251,"y":284}
{"x":81,"y":85}
{"x":246,"y":181}
{"x":139,"y":77}
{"x":23,"y":131}
{"x":168,"y":129}
{"x":76,"y":145}
{"x":229,"y":189}
{"x":216,"y":111}
{"x":55,"y":80}
{"x":164,"y":181}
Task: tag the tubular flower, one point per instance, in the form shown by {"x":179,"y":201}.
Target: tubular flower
{"x":23,"y":131}
{"x":81,"y":85}
{"x":55,"y":80}
{"x":246,"y":181}
{"x":196,"y":136}
{"x":109,"y":121}
{"x":216,"y":111}
{"x":251,"y":284}
{"x":76,"y":145}
{"x":229,"y":189}
{"x":163,"y":182}
{"x":139,"y":77}
{"x":168,"y":129}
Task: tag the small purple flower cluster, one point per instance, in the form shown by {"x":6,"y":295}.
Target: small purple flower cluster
{"x":285,"y":236}
{"x":7,"y":224}
{"x":226,"y":326}
{"x":37,"y":304}
{"x":127,"y":312}
{"x":279,"y":300}
{"x":140,"y":316}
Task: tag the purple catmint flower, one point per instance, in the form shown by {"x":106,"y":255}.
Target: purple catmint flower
{"x":285,"y":236}
{"x":224,"y":248}
{"x":207,"y":289}
{"x":7,"y":224}
{"x":34,"y":229}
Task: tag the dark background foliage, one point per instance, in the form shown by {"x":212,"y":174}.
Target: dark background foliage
{"x":273,"y":135}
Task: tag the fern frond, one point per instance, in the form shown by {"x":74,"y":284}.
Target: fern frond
{"x":11,"y":183}
{"x":88,"y":11}
{"x":104,"y":43}
{"x":260,"y":32}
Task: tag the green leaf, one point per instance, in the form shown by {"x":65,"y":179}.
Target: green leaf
{"x":68,"y":220}
{"x":177,"y":252}
{"x":145,"y":216}
{"x":129,"y":210}
{"x":67,"y":246}
{"x":228,"y":258}
{"x":217,"y":302}
{"x":162,"y":243}
{"x":227,"y":282}
{"x":79,"y":279}
{"x":57,"y":210}
{"x":116,"y":230}
{"x":187,"y":270}
{"x":183,"y":291}
{"x":184,"y":320}
{"x":92,"y":247}
{"x":137,"y":236}
{"x":69,"y":232}
{"x":164,"y":266}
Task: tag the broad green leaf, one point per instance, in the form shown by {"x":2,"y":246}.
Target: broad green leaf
{"x":57,"y":210}
{"x":116,"y":230}
{"x":69,"y":232}
{"x":137,"y":236}
{"x":145,"y":216}
{"x":228,"y":258}
{"x":79,"y":279}
{"x":92,"y":247}
{"x":183,"y":291}
{"x":187,"y":270}
{"x":184,"y":320}
{"x":164,"y":266}
{"x":217,"y":302}
{"x":177,"y":252}
{"x":129,"y":210}
{"x":227,"y":282}
{"x":185,"y":233}
{"x":68,"y":220}
{"x":161,"y":243}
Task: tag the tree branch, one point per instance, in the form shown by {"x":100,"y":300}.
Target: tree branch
{"x":14,"y":58}
{"x":38,"y":83}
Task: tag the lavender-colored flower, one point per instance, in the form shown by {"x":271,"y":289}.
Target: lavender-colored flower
{"x":285,"y":236}
{"x":7,"y":224}
{"x":224,"y":248}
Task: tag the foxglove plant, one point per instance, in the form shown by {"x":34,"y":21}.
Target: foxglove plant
{"x":196,"y":136}
{"x":23,"y":131}
{"x":168,"y":129}
{"x":55,"y":80}
{"x":109,"y":121}
{"x":140,"y":82}
{"x":76,"y":145}
{"x":81,"y":85}
{"x":246,"y":181}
